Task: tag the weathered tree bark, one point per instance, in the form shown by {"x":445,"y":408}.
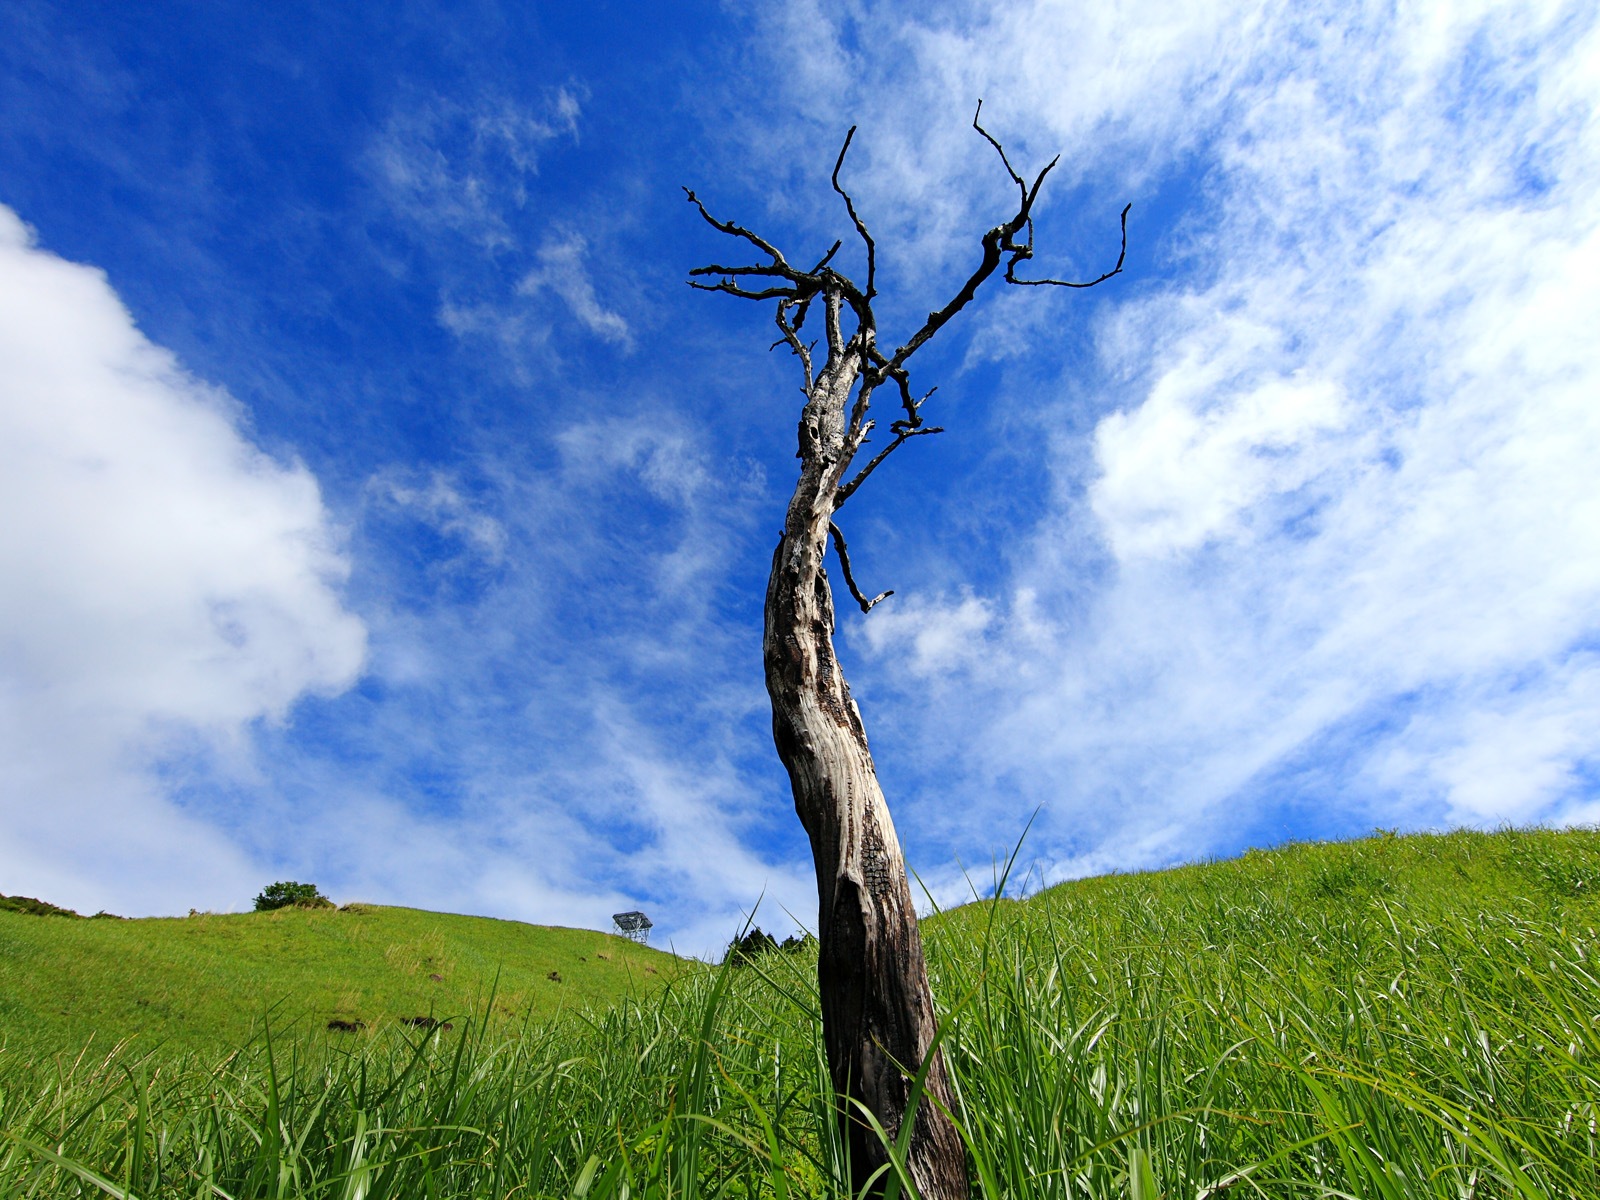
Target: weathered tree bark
{"x":877,"y":1010}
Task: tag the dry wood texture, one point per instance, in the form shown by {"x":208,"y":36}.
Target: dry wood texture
{"x":877,"y":1010}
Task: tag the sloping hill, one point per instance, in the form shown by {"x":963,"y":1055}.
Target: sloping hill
{"x":1263,"y":898}
{"x":208,"y":981}
{"x":1390,"y":1017}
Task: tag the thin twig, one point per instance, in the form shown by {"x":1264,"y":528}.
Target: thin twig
{"x":827,"y":258}
{"x":728,"y":286}
{"x":733,"y":230}
{"x":1116,"y":270}
{"x":902,"y":435}
{"x":849,"y":579}
{"x":999,"y":149}
{"x":800,"y":349}
{"x":861,"y":226}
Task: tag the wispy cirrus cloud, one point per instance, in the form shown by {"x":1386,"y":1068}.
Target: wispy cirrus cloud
{"x":1329,"y":556}
{"x":557,"y":723}
{"x":458,"y":174}
{"x":564,"y":272}
{"x":469,"y":169}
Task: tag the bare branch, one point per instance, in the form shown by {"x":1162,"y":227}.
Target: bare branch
{"x":856,"y":437}
{"x":732,"y":230}
{"x":902,"y":380}
{"x":1000,"y":150}
{"x":800,"y":349}
{"x":728,"y":286}
{"x":997,"y":243}
{"x":849,"y":579}
{"x":770,"y":271}
{"x":1116,"y":270}
{"x":861,"y":226}
{"x":993,"y":241}
{"x":826,"y":258}
{"x":901,"y":436}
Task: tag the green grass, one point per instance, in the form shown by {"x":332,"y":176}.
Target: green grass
{"x":1396,"y":1017}
{"x":206,"y":982}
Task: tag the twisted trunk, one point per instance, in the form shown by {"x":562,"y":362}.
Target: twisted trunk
{"x":877,"y":1011}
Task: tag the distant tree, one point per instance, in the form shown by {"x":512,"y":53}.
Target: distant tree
{"x":290,"y":894}
{"x":752,"y":945}
{"x":877,"y":1012}
{"x":758,"y":942}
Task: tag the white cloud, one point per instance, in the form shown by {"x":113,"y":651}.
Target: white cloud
{"x":438,"y":501}
{"x":456,"y":170}
{"x":1119,"y":91}
{"x":1499,"y":753}
{"x":468,"y":168}
{"x":165,"y":581}
{"x":562,"y":737}
{"x":1344,"y":509}
{"x":1185,"y":465}
{"x":933,"y":639}
{"x":561,"y":270}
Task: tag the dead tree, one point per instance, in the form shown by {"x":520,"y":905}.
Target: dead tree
{"x":877,"y":1011}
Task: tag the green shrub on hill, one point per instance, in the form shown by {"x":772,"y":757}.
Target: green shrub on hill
{"x":286,"y":894}
{"x":43,"y":908}
{"x":36,"y":908}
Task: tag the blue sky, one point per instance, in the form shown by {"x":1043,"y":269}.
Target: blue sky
{"x":382,"y":509}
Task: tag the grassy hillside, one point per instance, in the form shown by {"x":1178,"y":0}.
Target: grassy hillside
{"x":205,"y":982}
{"x":1395,"y":1017}
{"x":1271,"y":894}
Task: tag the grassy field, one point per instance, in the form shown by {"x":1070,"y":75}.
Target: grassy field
{"x":1395,"y":1017}
{"x":206,"y":982}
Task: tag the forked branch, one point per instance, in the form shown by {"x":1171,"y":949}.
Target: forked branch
{"x":901,"y":436}
{"x":999,"y":242}
{"x":792,"y":336}
{"x":1010,"y":242}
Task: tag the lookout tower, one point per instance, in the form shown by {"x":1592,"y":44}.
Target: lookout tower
{"x":634,"y":925}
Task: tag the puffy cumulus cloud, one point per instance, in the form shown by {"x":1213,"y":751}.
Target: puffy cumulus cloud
{"x":1340,"y":532}
{"x":166,"y":581}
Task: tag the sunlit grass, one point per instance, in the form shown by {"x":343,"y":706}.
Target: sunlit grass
{"x":1398,"y":1017}
{"x":204,"y":982}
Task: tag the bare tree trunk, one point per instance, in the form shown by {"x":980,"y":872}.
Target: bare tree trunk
{"x":877,"y":1011}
